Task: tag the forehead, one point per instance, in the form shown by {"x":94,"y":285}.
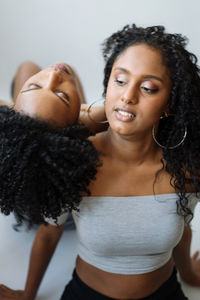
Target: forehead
{"x":33,"y":102}
{"x":46,"y":107}
{"x":142,"y":58}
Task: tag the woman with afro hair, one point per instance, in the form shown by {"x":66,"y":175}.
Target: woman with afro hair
{"x":133,"y":231}
{"x":46,"y":159}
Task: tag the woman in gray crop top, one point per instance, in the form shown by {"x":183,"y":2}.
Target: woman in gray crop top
{"x":133,"y":230}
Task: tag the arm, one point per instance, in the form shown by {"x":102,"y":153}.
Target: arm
{"x":25,"y":70}
{"x":189,"y":268}
{"x":44,"y":245}
{"x":2,"y":102}
{"x":93,"y":117}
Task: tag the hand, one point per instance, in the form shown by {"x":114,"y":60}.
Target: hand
{"x":195,"y":261}
{"x":193,"y":277}
{"x":9,"y":294}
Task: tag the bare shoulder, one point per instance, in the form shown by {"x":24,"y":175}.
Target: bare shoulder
{"x":98,"y":141}
{"x":50,"y":231}
{"x":9,"y":104}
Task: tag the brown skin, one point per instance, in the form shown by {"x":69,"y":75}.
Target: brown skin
{"x":44,"y":245}
{"x":43,"y":95}
{"x":54,"y":88}
{"x":129,"y":153}
{"x":23,"y":73}
{"x":30,"y":71}
{"x":2,"y":102}
{"x":29,"y":68}
{"x":44,"y":102}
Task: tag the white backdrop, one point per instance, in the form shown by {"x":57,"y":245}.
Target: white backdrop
{"x":47,"y":31}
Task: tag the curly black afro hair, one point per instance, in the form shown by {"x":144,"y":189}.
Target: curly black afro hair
{"x":182,"y":163}
{"x":44,"y":170}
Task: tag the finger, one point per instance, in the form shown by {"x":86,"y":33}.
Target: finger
{"x":3,"y":287}
{"x":6,"y":290}
{"x":195,"y":255}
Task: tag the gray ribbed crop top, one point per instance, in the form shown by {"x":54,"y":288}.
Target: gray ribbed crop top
{"x":128,"y":235}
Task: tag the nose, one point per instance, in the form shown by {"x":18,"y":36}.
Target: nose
{"x":54,"y":78}
{"x":130,"y":95}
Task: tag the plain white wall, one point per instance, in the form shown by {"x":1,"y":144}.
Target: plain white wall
{"x":47,"y":31}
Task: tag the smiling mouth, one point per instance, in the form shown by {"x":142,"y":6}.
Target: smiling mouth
{"x":124,"y":115}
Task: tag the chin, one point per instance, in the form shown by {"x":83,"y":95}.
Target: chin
{"x":121,"y":128}
{"x":122,"y":131}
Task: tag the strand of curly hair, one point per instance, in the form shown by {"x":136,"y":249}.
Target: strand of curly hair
{"x":183,"y":162}
{"x":44,"y":171}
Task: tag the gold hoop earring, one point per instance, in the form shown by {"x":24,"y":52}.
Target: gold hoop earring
{"x":171,"y":147}
{"x":89,"y":116}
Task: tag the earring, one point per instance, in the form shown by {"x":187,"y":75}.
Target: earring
{"x":166,"y":115}
{"x":88,"y":111}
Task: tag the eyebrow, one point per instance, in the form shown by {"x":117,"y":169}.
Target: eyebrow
{"x":144,"y":76}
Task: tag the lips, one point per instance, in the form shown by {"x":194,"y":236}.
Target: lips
{"x":61,"y":67}
{"x":124,"y":115}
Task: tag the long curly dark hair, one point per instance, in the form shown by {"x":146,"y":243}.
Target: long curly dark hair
{"x":44,"y":170}
{"x":182,"y":163}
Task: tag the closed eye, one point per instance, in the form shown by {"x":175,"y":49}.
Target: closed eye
{"x":150,"y":91}
{"x":63,"y":96}
{"x":120,"y":82}
{"x":31,"y":87}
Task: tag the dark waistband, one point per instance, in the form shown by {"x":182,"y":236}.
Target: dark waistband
{"x":163,"y":291}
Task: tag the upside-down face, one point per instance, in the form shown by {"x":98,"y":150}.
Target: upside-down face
{"x":51,"y":95}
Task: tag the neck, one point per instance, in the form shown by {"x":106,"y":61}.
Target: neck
{"x":134,"y":149}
